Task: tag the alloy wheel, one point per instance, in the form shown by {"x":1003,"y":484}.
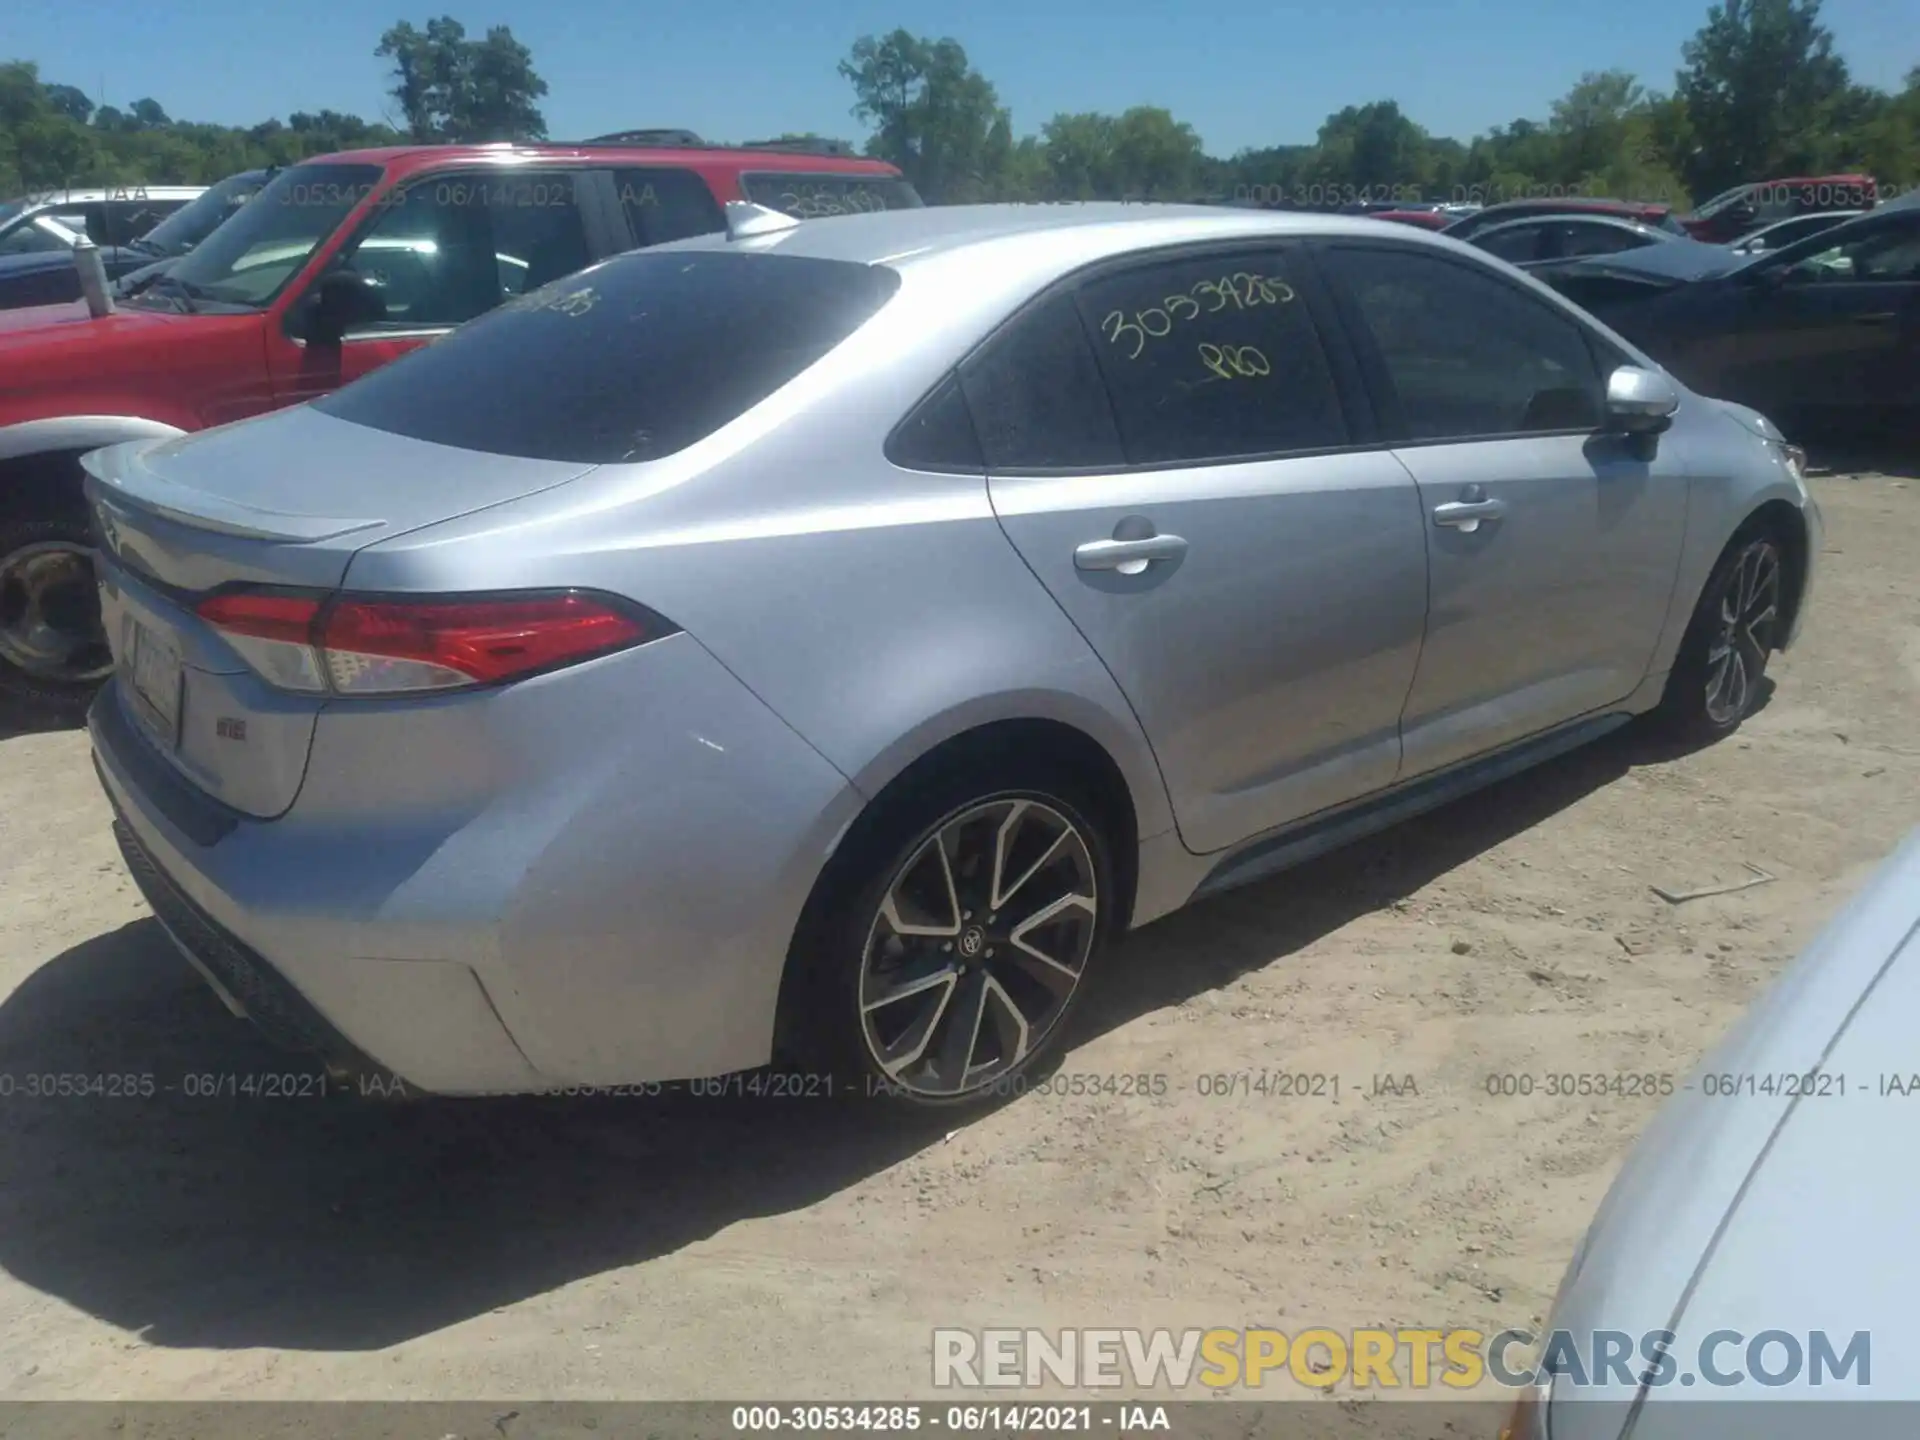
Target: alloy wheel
{"x":1744,"y":632}
{"x":50,"y":613}
{"x":978,"y":944}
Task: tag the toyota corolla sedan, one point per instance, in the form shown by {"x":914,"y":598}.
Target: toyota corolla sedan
{"x":817,"y":642}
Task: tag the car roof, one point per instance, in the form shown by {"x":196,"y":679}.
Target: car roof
{"x":1611,"y":222}
{"x":1832,"y":217}
{"x":410,"y":159}
{"x":1083,"y":231}
{"x":1572,"y":205}
{"x":94,"y":194}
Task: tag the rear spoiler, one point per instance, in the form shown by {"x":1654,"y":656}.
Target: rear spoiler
{"x":121,"y":480}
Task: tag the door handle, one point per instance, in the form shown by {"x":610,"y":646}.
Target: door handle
{"x":1129,"y":557}
{"x":1885,"y":317}
{"x":1467,"y":514}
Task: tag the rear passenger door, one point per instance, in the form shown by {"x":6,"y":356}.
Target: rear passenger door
{"x":1551,"y":546}
{"x":1170,"y":447}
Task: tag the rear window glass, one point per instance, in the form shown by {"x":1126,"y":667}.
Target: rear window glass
{"x":631,"y":360}
{"x":810,"y":197}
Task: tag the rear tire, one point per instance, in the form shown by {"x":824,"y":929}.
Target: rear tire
{"x":953,"y":937}
{"x":1715,"y":681}
{"x":53,"y":652}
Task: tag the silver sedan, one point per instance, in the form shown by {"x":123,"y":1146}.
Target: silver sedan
{"x":818,"y":641}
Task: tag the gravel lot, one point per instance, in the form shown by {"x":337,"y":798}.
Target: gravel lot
{"x":180,"y":1247}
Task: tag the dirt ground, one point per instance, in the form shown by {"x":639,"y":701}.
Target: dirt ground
{"x":176,"y":1247}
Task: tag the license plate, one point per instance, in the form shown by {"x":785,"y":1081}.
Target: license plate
{"x":153,"y":669}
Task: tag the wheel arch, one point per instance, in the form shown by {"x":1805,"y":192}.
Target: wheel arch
{"x":1069,"y":750}
{"x":40,"y":459}
{"x":1060,"y":744}
{"x":1785,"y":521}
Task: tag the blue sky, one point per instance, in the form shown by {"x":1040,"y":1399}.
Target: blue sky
{"x":1240,"y":71}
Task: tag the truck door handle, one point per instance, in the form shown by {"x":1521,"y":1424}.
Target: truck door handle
{"x":1129,"y":557}
{"x":1885,"y":317}
{"x":1467,"y":514}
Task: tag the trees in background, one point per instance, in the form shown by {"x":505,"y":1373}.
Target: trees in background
{"x":451,"y":88}
{"x":445,"y":86}
{"x":1760,"y":94}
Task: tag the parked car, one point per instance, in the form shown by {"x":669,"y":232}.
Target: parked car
{"x":1823,"y":330}
{"x":1768,"y":1196}
{"x":1540,"y":239}
{"x":1745,"y":208}
{"x":1782,"y":233}
{"x":820,"y":640}
{"x":336,"y":267}
{"x":1658,"y":216}
{"x":37,"y":235}
{"x":48,"y":277}
{"x":112,"y":216}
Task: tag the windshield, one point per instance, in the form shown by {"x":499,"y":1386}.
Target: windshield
{"x":249,"y":260}
{"x":809,"y":197}
{"x":192,"y":223}
{"x":10,"y":211}
{"x":632,"y":360}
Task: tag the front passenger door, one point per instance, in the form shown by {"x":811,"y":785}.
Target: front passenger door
{"x":1169,"y":450}
{"x":1551,"y":549}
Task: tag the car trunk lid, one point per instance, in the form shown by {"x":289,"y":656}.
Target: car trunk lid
{"x":286,"y":500}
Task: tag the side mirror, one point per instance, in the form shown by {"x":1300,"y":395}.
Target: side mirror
{"x":340,"y":302}
{"x":1640,"y":402}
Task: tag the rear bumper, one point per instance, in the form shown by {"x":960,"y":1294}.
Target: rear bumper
{"x":588,"y":879}
{"x":242,"y":978}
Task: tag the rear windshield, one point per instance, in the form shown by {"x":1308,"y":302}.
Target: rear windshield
{"x":632,"y":360}
{"x":810,"y":197}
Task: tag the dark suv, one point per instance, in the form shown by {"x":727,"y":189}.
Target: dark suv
{"x":336,"y":267}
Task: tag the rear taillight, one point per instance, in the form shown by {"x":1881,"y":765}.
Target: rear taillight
{"x":358,"y":646}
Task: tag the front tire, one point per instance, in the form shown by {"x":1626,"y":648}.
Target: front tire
{"x":961,"y":932}
{"x":1715,"y":681}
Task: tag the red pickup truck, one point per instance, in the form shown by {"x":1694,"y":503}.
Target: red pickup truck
{"x":337,"y":266}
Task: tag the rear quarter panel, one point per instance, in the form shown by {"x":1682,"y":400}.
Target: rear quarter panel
{"x":879,"y":611}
